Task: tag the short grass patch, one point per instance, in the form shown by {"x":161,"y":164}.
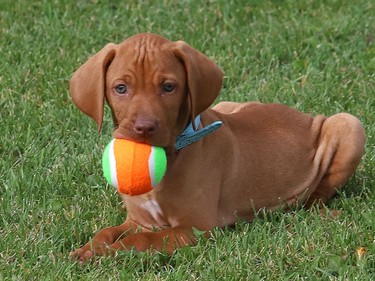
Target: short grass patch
{"x":316,"y":56}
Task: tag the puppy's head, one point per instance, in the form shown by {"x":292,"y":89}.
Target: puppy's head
{"x":153,"y":86}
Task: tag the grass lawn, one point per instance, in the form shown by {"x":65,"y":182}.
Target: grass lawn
{"x":316,"y":56}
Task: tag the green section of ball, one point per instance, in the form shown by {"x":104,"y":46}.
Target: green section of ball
{"x":159,"y":166}
{"x":106,"y":163}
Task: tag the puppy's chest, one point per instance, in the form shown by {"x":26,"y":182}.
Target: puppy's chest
{"x":146,"y":211}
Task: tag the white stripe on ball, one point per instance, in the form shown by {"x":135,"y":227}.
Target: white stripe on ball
{"x":112,"y":164}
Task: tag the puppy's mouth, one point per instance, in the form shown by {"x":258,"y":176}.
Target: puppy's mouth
{"x":154,"y":140}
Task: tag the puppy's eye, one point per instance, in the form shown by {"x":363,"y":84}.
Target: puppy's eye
{"x":168,"y":87}
{"x":121,"y":89}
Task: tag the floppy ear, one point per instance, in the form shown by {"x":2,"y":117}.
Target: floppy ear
{"x":87,"y":85}
{"x":204,"y":77}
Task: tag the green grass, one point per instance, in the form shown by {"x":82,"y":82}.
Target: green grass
{"x":316,"y":56}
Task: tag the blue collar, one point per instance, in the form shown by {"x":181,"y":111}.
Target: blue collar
{"x":189,"y":135}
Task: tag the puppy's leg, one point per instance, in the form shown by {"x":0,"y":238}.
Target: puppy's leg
{"x":343,"y":139}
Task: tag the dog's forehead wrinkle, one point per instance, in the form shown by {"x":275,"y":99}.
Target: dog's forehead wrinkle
{"x":152,"y":64}
{"x":143,"y":60}
{"x":146,"y":44}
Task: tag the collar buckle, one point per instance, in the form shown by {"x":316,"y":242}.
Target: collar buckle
{"x":190,"y":136}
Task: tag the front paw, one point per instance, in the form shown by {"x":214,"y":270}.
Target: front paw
{"x":87,"y":253}
{"x":81,"y":255}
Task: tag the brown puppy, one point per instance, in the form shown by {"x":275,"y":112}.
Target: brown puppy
{"x":263,"y":156}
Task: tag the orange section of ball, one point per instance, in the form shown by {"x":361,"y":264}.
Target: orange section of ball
{"x":132,"y":167}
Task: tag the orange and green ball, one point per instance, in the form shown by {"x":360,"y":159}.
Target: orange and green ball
{"x":133,"y":168}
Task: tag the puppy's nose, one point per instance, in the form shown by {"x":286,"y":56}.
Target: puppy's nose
{"x":145,"y":127}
